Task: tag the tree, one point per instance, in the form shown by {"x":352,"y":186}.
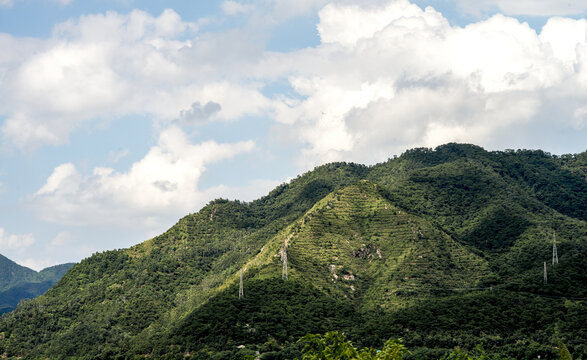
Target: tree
{"x":334,"y":346}
{"x":564,"y":352}
{"x":330,"y":346}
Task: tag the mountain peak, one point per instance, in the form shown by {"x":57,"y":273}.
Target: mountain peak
{"x":446,"y":236}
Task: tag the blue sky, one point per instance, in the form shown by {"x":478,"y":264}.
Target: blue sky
{"x":118,"y":117}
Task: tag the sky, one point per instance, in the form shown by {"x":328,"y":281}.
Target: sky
{"x":119,"y":117}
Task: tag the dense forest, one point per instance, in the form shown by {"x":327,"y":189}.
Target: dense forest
{"x":443,"y":248}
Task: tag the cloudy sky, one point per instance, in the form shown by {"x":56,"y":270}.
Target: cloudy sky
{"x":118,"y":117}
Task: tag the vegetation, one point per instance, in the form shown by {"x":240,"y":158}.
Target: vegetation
{"x":19,"y":283}
{"x":443,"y":248}
{"x":334,"y":346}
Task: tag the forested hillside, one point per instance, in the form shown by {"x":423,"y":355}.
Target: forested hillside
{"x":19,"y":282}
{"x":442,"y":247}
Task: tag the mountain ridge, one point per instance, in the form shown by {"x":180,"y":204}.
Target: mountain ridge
{"x":450,"y":226}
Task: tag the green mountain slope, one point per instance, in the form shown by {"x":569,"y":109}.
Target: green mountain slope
{"x":18,"y":282}
{"x":442,"y":247}
{"x":12,"y":274}
{"x":355,"y":244}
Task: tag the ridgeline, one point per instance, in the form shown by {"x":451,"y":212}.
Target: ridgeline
{"x":441,"y":247}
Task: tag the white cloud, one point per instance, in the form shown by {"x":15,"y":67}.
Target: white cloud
{"x":14,"y":242}
{"x":111,"y":65}
{"x":233,"y":8}
{"x":387,"y":76}
{"x":61,"y":239}
{"x":157,"y":189}
{"x":391,"y":77}
{"x":10,"y":3}
{"x":563,"y":37}
{"x":524,"y":7}
{"x":348,"y":24}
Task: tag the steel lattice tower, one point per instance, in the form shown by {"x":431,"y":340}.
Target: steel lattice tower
{"x":554,"y":254}
{"x":240,"y":286}
{"x":284,"y":260}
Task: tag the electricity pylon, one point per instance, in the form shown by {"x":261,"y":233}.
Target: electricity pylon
{"x":554,"y":254}
{"x":284,"y":260}
{"x":240,"y":286}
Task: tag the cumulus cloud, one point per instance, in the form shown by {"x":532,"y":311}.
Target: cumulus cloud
{"x":111,"y":65}
{"x":524,"y":7}
{"x":387,"y":75}
{"x":157,"y":189}
{"x":15,"y":242}
{"x":394,"y":76}
{"x":348,"y":24}
{"x":372,"y":55}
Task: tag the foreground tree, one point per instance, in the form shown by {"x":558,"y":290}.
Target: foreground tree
{"x":333,"y":345}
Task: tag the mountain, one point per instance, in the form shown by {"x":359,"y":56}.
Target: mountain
{"x":442,"y":247}
{"x":12,"y":274}
{"x":18,"y":282}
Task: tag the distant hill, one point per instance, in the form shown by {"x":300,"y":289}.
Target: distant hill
{"x":12,"y":274}
{"x":18,"y":282}
{"x":442,"y":247}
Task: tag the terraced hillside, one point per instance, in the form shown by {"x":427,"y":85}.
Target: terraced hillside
{"x":441,"y":247}
{"x":358,"y":245}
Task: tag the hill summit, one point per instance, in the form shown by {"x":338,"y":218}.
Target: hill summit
{"x":442,"y":247}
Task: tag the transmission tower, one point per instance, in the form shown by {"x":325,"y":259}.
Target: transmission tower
{"x":284,"y":260}
{"x":240,"y":286}
{"x":554,"y":254}
{"x":545,"y":277}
